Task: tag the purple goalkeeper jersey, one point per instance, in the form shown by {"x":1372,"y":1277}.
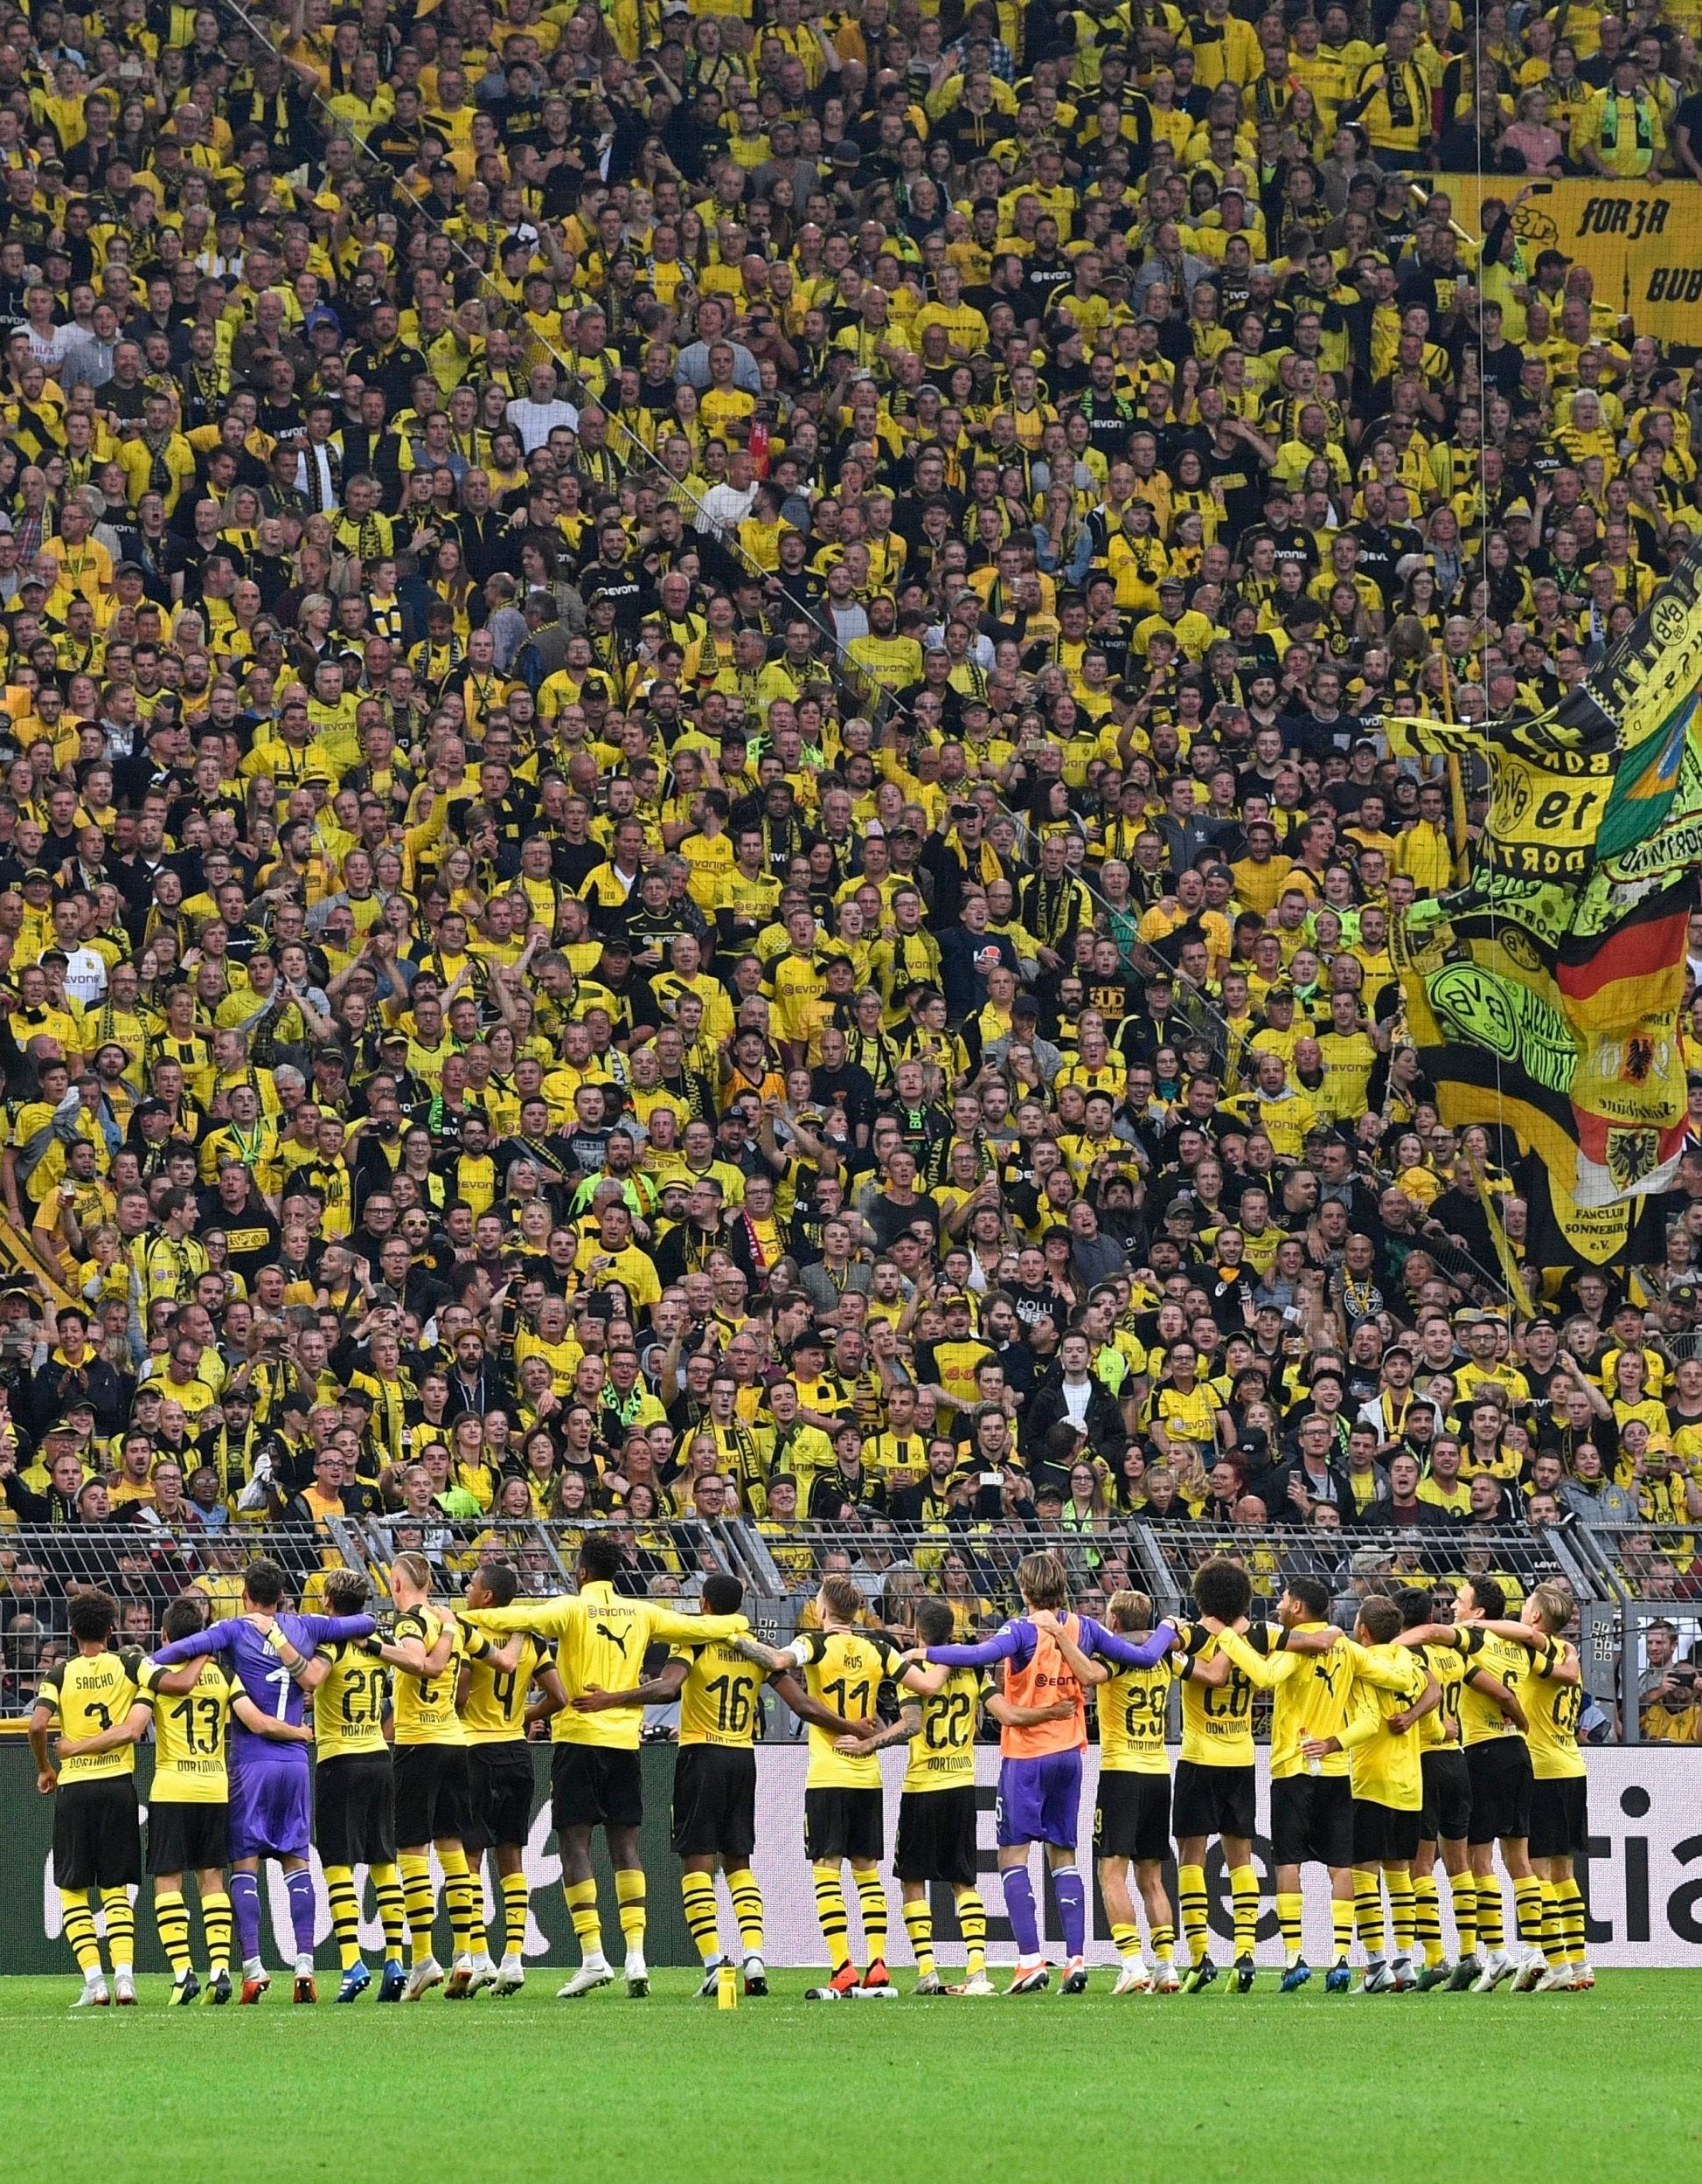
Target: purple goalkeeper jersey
{"x":266,"y":1682}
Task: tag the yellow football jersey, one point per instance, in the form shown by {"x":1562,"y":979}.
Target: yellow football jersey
{"x":493,"y":1707}
{"x":602,"y":1637}
{"x":1553,"y":1709}
{"x":1311,"y":1700}
{"x":942,"y":1751}
{"x":1133,"y":1707}
{"x":349,"y":1706}
{"x":844,"y":1670}
{"x":425,"y":1706}
{"x":189,"y":1736}
{"x":90,"y":1693}
{"x":1217,"y":1720}
{"x":1480,"y":1717}
{"x":720,"y":1702}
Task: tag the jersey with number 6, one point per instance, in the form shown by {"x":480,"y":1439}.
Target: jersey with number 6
{"x":846,"y":1672}
{"x":189,"y":1736}
{"x":425,"y":1706}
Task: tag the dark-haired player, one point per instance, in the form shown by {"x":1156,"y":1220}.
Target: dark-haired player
{"x":1215,"y":1790}
{"x":1311,"y":1818}
{"x":719,"y":1693}
{"x":602,"y":1637}
{"x":1553,"y":1699}
{"x":97,"y":1841}
{"x":496,"y":1684}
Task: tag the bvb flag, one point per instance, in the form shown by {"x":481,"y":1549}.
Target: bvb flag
{"x":1545,"y":995}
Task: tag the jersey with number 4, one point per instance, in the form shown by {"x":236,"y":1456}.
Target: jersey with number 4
{"x":493,"y":1709}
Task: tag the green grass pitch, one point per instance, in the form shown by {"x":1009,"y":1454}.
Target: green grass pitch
{"x":1192,"y":2089}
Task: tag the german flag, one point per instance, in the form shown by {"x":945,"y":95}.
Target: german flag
{"x":1608,"y":980}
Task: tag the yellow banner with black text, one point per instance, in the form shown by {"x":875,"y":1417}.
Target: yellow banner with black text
{"x":1641,"y":240}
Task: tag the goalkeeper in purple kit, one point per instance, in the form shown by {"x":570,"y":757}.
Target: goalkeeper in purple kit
{"x":266,"y":1651}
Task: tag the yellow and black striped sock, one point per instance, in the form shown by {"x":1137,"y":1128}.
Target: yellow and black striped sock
{"x":1244,"y":1893}
{"x":1527,"y":1911}
{"x":629,"y":1896}
{"x":972,"y":1925}
{"x":416,"y":1873}
{"x":1126,"y":1940}
{"x":79,"y":1923}
{"x":746,"y":1908}
{"x":171,"y":1925}
{"x":830,"y":1913}
{"x":1289,"y":1918}
{"x":216,"y":1924}
{"x":121,"y":1928}
{"x":345,"y":1914}
{"x":581,"y":1900}
{"x":1554,"y":1948}
{"x":517,"y":1905}
{"x":918,"y":1924}
{"x":391,"y":1901}
{"x":1163,"y":1944}
{"x":1403,"y":1909}
{"x":1428,"y":1931}
{"x":1491,"y":1929}
{"x":702,"y":1918}
{"x":871,"y":1902}
{"x":1190,"y":1887}
{"x":1342,"y":1910}
{"x":463,"y":1891}
{"x":1368,"y":1912}
{"x":1572,"y":1920}
{"x":1462,"y":1888}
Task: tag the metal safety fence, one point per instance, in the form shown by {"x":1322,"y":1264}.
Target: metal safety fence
{"x":1638,"y":1589}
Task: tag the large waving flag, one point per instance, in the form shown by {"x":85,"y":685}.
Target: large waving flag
{"x":1544,"y":995}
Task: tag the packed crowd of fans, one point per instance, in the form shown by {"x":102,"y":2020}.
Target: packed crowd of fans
{"x":694,"y":819}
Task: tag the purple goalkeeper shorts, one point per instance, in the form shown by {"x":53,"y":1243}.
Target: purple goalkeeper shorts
{"x":271,"y":1809}
{"x":1039,"y":1800}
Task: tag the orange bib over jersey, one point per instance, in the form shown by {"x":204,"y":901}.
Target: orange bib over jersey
{"x":1045,"y":1678}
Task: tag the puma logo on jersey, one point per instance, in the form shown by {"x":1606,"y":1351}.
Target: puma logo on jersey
{"x":617,"y":1638}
